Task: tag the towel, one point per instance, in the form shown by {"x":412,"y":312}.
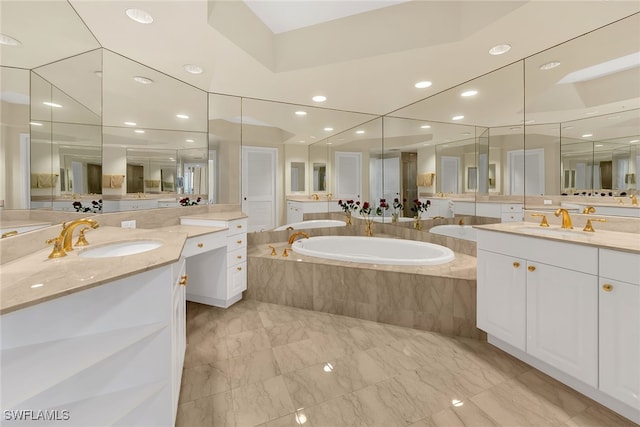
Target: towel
{"x":116,"y":181}
{"x":106,"y":181}
{"x":151,"y":183}
{"x":43,"y":180}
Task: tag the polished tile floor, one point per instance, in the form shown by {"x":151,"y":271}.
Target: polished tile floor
{"x":269,"y":365}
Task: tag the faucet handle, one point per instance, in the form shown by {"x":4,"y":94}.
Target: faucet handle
{"x":544,"y":222}
{"x":82,"y":241}
{"x":589,"y":210}
{"x":589,"y":227}
{"x":58,"y":251}
{"x":285,"y":253}
{"x":273,"y":251}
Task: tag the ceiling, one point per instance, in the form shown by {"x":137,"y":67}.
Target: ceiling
{"x":364,"y":60}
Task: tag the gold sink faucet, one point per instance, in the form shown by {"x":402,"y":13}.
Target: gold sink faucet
{"x":66,"y":235}
{"x":589,"y":210}
{"x":296,"y":234}
{"x":314,"y":196}
{"x":566,"y":219}
{"x":589,"y":227}
{"x":543,"y":222}
{"x":634,"y":200}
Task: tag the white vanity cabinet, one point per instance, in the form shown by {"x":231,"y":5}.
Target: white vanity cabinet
{"x":295,"y":212}
{"x":217,"y":262}
{"x":296,"y":208}
{"x":619,"y":315}
{"x":545,"y":291}
{"x":108,"y":355}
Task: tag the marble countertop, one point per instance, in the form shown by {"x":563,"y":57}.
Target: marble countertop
{"x":628,"y":242}
{"x":17,"y":223}
{"x":217,"y":216}
{"x":70,"y":274}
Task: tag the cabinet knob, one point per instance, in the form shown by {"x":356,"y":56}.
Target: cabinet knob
{"x":183,"y":281}
{"x":516,"y":264}
{"x":200,"y":245}
{"x":239,"y":226}
{"x":531,"y":268}
{"x":511,"y":208}
{"x":239,"y":268}
{"x":239,"y":256}
{"x":239,"y":242}
{"x":607,"y":287}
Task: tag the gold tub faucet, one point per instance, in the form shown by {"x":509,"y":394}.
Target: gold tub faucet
{"x":589,"y":210}
{"x":566,"y":219}
{"x":634,"y":200}
{"x":66,"y":235}
{"x":296,"y":234}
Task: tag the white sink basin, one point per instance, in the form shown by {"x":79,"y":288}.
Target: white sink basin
{"x":555,"y":232}
{"x":120,"y":249}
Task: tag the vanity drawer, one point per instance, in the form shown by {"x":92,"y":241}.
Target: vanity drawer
{"x":236,"y":257}
{"x":511,"y":217}
{"x":237,"y":276}
{"x":206,"y":242}
{"x":511,"y":208}
{"x":236,"y":241}
{"x":238,"y":226}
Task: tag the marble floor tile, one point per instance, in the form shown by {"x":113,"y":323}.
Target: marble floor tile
{"x":260,"y":402}
{"x":262,"y":364}
{"x":252,"y":367}
{"x":247,"y":342}
{"x":204,"y":380}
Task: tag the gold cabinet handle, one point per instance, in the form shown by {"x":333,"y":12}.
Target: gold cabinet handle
{"x":239,"y":226}
{"x":239,"y":242}
{"x":531,"y":268}
{"x":183,"y":281}
{"x":239,"y":268}
{"x":516,"y":264}
{"x":607,"y":287}
{"x":239,"y":256}
{"x":511,"y":208}
{"x":200,"y":245}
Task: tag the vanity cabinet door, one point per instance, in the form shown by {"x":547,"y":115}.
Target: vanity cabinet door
{"x":562,"y":320}
{"x":178,"y":332}
{"x":501,"y":297}
{"x":619,"y":304}
{"x":294,"y":212}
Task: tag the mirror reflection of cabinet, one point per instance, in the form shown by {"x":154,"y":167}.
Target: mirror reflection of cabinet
{"x":472,"y":178}
{"x":492,"y":176}
{"x":297,"y":177}
{"x":319,"y":177}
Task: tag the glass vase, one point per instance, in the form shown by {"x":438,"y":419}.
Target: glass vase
{"x":368,"y":227}
{"x":417,"y":222}
{"x":394,"y":217}
{"x":348,"y":218}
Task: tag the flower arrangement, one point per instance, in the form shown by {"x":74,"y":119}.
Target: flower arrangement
{"x":348,"y":207}
{"x":418,"y":208}
{"x":96,"y":206}
{"x":397,"y":206}
{"x":185,"y":201}
{"x":365,"y":212}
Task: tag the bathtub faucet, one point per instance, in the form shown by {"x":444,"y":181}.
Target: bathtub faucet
{"x":296,"y":234}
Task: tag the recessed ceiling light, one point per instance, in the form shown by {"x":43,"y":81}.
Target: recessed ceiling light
{"x":52,"y":104}
{"x":587,"y":135}
{"x":567,"y":127}
{"x":528,"y":122}
{"x":457,"y":117}
{"x":189,"y":140}
{"x":138,"y":131}
{"x":8,"y":40}
{"x":301,"y":113}
{"x":139,"y":16}
{"x":598,"y":145}
{"x":301,"y":141}
{"x":360,"y":132}
{"x":590,"y":113}
{"x":469,"y":93}
{"x":500,"y":49}
{"x":328,"y":129}
{"x":143,"y":80}
{"x":425,"y":127}
{"x":633,"y":141}
{"x":35,"y":124}
{"x":192,"y":68}
{"x":329,"y":143}
{"x":37,"y":285}
{"x":319,"y":98}
{"x":182,"y":116}
{"x":130,"y":123}
{"x":423,"y":84}
{"x":549,"y":65}
{"x":98,"y":73}
{"x":466,"y":133}
{"x":515,"y":128}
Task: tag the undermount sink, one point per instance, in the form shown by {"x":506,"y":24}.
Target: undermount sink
{"x":558,"y":232}
{"x":120,"y":249}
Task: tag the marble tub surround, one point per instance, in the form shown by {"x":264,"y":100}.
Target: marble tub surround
{"x":72,"y":273}
{"x":264,"y":364}
{"x":438,"y":298}
{"x":623,"y":241}
{"x":612,"y":223}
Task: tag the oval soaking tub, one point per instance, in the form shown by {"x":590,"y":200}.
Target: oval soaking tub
{"x":374,"y":250}
{"x":466,"y":232}
{"x":315,"y":223}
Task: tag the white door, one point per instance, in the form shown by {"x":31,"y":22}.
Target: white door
{"x":501,"y":297}
{"x":526,"y":172}
{"x":562,"y":320}
{"x":348,"y":175}
{"x":259,"y":187}
{"x":450,"y":167}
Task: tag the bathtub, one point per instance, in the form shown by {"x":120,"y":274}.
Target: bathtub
{"x":466,"y":232}
{"x":316,"y":223}
{"x":374,"y":250}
